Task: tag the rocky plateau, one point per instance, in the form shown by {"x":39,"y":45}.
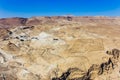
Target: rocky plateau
{"x":60,"y":48}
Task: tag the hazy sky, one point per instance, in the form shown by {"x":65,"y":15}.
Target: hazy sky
{"x":29,"y":8}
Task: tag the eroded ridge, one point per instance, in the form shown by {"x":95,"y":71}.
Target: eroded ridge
{"x":96,"y":71}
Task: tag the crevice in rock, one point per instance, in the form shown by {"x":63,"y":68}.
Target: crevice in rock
{"x":100,"y":69}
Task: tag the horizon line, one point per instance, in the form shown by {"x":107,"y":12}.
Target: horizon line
{"x":61,"y":16}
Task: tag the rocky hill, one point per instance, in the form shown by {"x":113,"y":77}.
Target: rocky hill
{"x":60,"y":48}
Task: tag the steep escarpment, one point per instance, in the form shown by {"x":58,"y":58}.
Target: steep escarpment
{"x":60,"y":48}
{"x":96,"y":71}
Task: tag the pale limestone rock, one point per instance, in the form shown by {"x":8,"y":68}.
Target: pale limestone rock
{"x":57,"y":44}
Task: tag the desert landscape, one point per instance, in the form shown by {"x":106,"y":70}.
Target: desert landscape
{"x":60,"y":48}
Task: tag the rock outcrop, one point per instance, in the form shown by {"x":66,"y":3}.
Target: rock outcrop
{"x":105,"y":68}
{"x":60,"y":48}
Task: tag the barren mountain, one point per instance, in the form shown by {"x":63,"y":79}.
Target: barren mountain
{"x":60,"y":48}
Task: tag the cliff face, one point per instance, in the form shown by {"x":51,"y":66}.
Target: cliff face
{"x":60,"y":48}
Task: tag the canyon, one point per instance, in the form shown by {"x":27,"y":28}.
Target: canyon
{"x":60,"y":48}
